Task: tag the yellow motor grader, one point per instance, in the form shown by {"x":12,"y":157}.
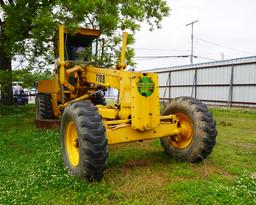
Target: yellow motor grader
{"x":75,"y":100}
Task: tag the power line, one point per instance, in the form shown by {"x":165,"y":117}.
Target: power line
{"x":212,"y":53}
{"x":219,"y":45}
{"x":158,"y":49}
{"x":206,"y":58}
{"x":177,"y":56}
{"x":153,"y":57}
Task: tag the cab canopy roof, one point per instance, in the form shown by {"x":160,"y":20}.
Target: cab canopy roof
{"x":85,"y":32}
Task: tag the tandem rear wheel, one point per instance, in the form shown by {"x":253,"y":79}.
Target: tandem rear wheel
{"x":198,"y":130}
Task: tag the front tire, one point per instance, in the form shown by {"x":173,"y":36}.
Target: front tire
{"x":198,"y":134}
{"x":83,"y":140}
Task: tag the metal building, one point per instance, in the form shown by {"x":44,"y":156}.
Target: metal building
{"x":230,"y":82}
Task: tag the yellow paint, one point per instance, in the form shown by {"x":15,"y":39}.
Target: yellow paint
{"x":47,"y":86}
{"x":128,"y":134}
{"x":87,"y":32}
{"x":56,"y":111}
{"x":184,"y":138}
{"x":122,"y":64}
{"x":116,"y":122}
{"x":108,"y":113}
{"x":145,"y":111}
{"x":61,"y":54}
{"x":62,"y":72}
{"x":51,"y":87}
{"x":76,"y":99}
{"x":111,"y":79}
{"x":75,"y":69}
{"x":71,"y":144}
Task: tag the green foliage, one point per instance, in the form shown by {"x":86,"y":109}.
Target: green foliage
{"x":32,"y":171}
{"x":3,"y":75}
{"x":29,"y":78}
{"x":38,"y":20}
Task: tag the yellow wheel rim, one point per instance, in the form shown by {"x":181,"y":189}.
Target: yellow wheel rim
{"x":71,"y":142}
{"x":185,"y":137}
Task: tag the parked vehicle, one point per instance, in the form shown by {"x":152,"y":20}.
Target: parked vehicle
{"x":26,"y":91}
{"x":19,"y":96}
{"x":33,"y":91}
{"x":21,"y":99}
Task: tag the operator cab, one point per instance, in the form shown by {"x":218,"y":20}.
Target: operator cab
{"x":78,"y":46}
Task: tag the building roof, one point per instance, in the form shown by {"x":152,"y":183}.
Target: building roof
{"x":235,"y":61}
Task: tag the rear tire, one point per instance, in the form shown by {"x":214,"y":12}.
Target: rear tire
{"x":83,"y":140}
{"x":44,"y":106}
{"x":199,"y":142}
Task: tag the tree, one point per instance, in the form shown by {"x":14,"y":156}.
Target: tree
{"x":29,"y":78}
{"x":5,"y":66}
{"x":30,"y":25}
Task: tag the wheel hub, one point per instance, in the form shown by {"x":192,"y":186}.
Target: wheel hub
{"x":72,"y":145}
{"x":183,"y":139}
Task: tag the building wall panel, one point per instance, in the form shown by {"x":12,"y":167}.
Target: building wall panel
{"x":182,"y":77}
{"x":219,"y":75}
{"x":213,"y":93}
{"x":245,"y":74}
{"x":215,"y":80}
{"x":244,"y":94}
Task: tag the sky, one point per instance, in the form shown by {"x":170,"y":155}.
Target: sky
{"x":226,"y":29}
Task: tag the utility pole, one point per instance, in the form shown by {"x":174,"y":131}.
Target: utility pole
{"x":222,"y":56}
{"x":192,"y":40}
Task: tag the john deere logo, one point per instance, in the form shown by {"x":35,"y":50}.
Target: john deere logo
{"x":145,"y":86}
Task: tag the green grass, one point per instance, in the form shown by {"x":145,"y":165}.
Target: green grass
{"x":31,"y":167}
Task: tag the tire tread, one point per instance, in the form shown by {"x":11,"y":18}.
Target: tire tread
{"x":205,"y":125}
{"x":92,"y":140}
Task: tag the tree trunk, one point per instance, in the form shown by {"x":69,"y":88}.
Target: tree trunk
{"x":5,"y":74}
{"x":6,"y":81}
